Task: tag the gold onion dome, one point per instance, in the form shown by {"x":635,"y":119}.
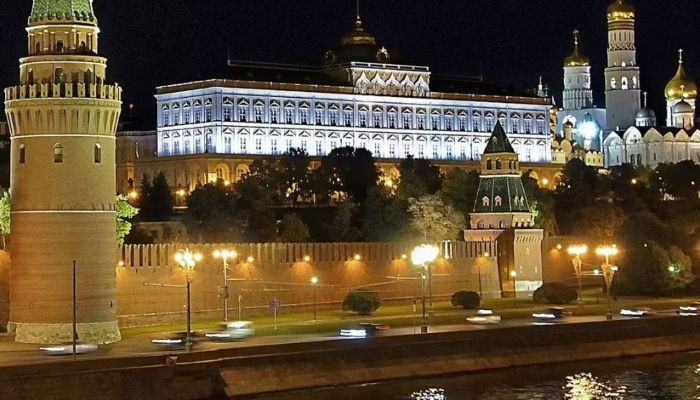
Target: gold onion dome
{"x":619,"y":10}
{"x":681,"y":86}
{"x":360,"y":46}
{"x":576,"y":59}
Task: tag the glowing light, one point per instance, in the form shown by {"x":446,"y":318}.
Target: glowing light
{"x":559,"y":246}
{"x":404,"y":257}
{"x":314,"y":280}
{"x":120,"y":263}
{"x":357,"y":257}
{"x":589,"y":130}
{"x":634,"y":181}
{"x":227,"y":183}
{"x":133,"y":194}
{"x":424,"y":254}
{"x":486,"y":254}
{"x":513,"y":274}
{"x":577,"y":250}
{"x":606,"y":251}
{"x":225,"y":254}
{"x":250,"y":259}
{"x":545,"y":181}
{"x":307,"y":258}
{"x":187,"y":259}
{"x":181,"y":192}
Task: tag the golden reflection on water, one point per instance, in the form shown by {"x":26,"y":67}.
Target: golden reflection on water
{"x":585,"y":386}
{"x":429,"y":394}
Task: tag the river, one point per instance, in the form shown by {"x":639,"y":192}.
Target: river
{"x":661,"y":377}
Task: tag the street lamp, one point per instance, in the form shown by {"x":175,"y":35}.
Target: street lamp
{"x":514,"y":275}
{"x":188,"y":260}
{"x":478,"y":272}
{"x":225,"y":255}
{"x":423,"y":256}
{"x":314,"y":282}
{"x":577,"y":251}
{"x":608,"y":272}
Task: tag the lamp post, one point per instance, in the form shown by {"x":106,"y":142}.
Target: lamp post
{"x":314,"y":282}
{"x":608,"y":272}
{"x":478,"y":272}
{"x":225,"y":255}
{"x":188,"y":260}
{"x":514,"y":275}
{"x":672,"y":269}
{"x":576,"y":251}
{"x":423,"y":256}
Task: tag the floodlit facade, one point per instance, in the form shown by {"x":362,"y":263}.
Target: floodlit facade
{"x":361,"y":96}
{"x":63,"y":116}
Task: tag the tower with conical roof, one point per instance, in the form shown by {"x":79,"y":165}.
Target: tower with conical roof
{"x":577,"y":79}
{"x":501,"y":202}
{"x":63,"y":118}
{"x":502,"y":214}
{"x":622,"y":76}
{"x":680,"y":89}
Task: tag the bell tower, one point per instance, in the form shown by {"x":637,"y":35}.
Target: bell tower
{"x":63,"y":118}
{"x":622,"y":85}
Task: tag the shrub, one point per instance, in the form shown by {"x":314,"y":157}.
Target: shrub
{"x":466,"y":300}
{"x":362,"y":301}
{"x":554,"y":293}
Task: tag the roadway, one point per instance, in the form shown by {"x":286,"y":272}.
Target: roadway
{"x":12,"y":353}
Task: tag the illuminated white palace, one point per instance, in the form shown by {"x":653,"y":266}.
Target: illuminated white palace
{"x":361,"y":96}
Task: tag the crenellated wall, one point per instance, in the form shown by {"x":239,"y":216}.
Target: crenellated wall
{"x":283,"y":271}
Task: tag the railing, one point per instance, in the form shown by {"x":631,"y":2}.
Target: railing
{"x":64,"y":90}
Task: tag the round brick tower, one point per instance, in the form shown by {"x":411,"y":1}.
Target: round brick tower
{"x":63,"y":117}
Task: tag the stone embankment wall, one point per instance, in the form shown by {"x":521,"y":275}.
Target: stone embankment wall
{"x":244,"y":371}
{"x":284,"y":271}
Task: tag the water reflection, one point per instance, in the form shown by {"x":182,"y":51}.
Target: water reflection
{"x":429,"y":394}
{"x":585,"y":386}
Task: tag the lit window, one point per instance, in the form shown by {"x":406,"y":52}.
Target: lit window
{"x":98,"y":154}
{"x":58,"y":153}
{"x":22,"y":154}
{"x":485,"y":201}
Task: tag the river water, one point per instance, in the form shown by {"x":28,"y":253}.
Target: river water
{"x":662,"y":377}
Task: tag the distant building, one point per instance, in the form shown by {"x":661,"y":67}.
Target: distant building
{"x":361,"y":96}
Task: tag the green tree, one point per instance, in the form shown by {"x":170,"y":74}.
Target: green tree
{"x":293,"y":230}
{"x":297,"y":174}
{"x":459,"y":189}
{"x":433,"y":220}
{"x":125,"y":212}
{"x":156,"y":201}
{"x":211,"y":215}
{"x":643,"y":271}
{"x":342,"y":227}
{"x":362,"y":301}
{"x":383,"y":217}
{"x":680,"y":273}
{"x":418,"y":177}
{"x":599,"y":220}
{"x":350,"y":170}
{"x":5,"y":213}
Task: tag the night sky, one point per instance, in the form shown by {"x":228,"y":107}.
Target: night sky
{"x":511,"y":42}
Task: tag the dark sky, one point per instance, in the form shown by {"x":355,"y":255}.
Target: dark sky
{"x":512,"y":42}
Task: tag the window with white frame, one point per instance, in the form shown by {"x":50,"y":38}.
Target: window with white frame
{"x":304,"y":144}
{"x":348,"y":118}
{"x":198,"y":144}
{"x":421,"y":150}
{"x":289,"y":116}
{"x":392,"y":149}
{"x":462,"y":152}
{"x":258,"y":114}
{"x":288,"y":145}
{"x":334,"y":117}
{"x":227,"y":114}
{"x":304,"y":116}
{"x":319,"y":147}
{"x":273,"y":145}
{"x":377,"y":149}
{"x":186,"y":116}
{"x":377,"y":119}
{"x":177,"y":147}
{"x":228,"y":144}
{"x":243,"y":142}
{"x":166,"y":118}
{"x":363,"y":120}
{"x":448,"y":151}
{"x":406,"y":149}
{"x":274,"y":115}
{"x":242,"y":113}
{"x":407,"y":121}
{"x":197,"y":116}
{"x":436,"y":151}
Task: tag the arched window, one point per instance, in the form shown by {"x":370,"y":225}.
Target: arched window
{"x":624,"y":83}
{"x":98,"y":154}
{"x":30,"y":76}
{"x":37,"y":48}
{"x":498,"y":164}
{"x":59,"y":46}
{"x":83,"y":47}
{"x":639,"y":159}
{"x":502,"y":224}
{"x":480,"y":225}
{"x":485,"y":201}
{"x":58,"y":153}
{"x":58,"y":75}
{"x":488,"y":164}
{"x":497,"y":202}
{"x":88,"y":76}
{"x":22,"y":154}
{"x":613,"y":83}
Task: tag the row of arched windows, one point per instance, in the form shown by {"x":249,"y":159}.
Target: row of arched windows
{"x":58,"y":154}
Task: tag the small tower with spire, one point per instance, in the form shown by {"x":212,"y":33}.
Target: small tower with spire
{"x":646,"y":116}
{"x":681,"y":88}
{"x":577,"y":79}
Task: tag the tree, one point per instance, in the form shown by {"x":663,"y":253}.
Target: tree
{"x":680,"y":273}
{"x":296,"y":173}
{"x":125,"y":212}
{"x":542,"y":204}
{"x":383,"y":217}
{"x":350,"y":170}
{"x":156,"y":201}
{"x":211,"y":214}
{"x":643,"y":271}
{"x":418,"y":177}
{"x":433,"y":220}
{"x":5,"y":213}
{"x":362,"y":301}
{"x":579,"y":185}
{"x":459,"y":189}
{"x":599,"y":220}
{"x":293,"y":230}
{"x":342,"y":227}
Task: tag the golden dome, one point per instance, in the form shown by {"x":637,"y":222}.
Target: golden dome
{"x":681,"y":86}
{"x":359,"y":35}
{"x":618,"y":10}
{"x":576,"y":59}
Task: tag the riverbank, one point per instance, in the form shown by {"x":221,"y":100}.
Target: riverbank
{"x":244,"y":371}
